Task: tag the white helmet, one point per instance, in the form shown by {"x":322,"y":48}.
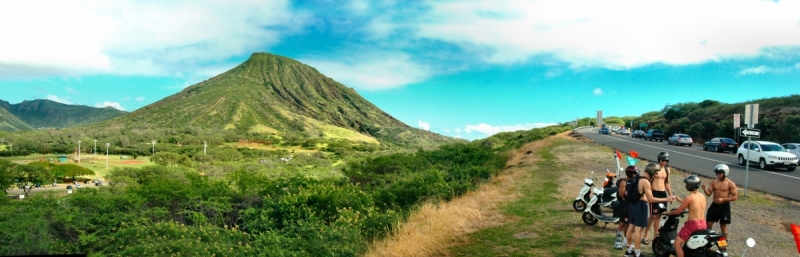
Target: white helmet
{"x":722,"y":168}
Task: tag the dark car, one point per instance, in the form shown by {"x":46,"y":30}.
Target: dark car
{"x":654,"y":134}
{"x":720,"y":144}
{"x":638,"y":134}
{"x":605,"y":130}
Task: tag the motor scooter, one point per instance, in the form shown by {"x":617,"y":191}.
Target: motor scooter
{"x":585,"y":194}
{"x":603,"y":197}
{"x":699,"y":244}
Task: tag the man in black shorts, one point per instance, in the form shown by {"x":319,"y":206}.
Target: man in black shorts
{"x":638,"y":207}
{"x":659,"y":182}
{"x":724,"y":191}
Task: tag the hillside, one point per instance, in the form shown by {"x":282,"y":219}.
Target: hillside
{"x":275,"y":95}
{"x":10,"y":122}
{"x":49,"y":114}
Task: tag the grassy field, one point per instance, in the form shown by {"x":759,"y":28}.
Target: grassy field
{"x":98,"y":165}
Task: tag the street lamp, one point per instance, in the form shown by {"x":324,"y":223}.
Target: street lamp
{"x":154,"y":146}
{"x":95,"y":148}
{"x":107,"y":145}
{"x":79,"y":151}
{"x":205,"y":145}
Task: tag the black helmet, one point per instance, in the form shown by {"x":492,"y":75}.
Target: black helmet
{"x":722,"y":168}
{"x":652,"y":168}
{"x":631,"y":171}
{"x":663,"y":156}
{"x":692,"y":182}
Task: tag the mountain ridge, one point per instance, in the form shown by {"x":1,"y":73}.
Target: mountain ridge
{"x":43,"y":113}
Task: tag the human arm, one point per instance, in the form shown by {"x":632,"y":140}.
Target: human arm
{"x":708,"y":190}
{"x":621,"y":189}
{"x":684,"y":205}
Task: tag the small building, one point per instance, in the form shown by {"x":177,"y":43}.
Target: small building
{"x":62,"y":158}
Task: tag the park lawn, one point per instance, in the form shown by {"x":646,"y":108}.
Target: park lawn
{"x":98,"y":165}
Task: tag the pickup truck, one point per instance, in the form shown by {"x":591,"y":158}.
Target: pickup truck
{"x":654,"y":134}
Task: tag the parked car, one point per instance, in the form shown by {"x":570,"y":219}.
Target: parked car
{"x":623,"y":131}
{"x":605,"y":131}
{"x":793,"y":148}
{"x":637,"y":134}
{"x":720,"y":144}
{"x":654,"y":134}
{"x":767,"y":155}
{"x":680,"y":140}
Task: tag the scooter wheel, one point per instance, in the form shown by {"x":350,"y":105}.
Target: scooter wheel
{"x":589,"y":219}
{"x":658,"y":248}
{"x":578,"y":205}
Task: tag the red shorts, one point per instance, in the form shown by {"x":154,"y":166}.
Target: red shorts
{"x":690,"y":226}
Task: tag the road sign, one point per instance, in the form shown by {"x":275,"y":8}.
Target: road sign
{"x":736,"y":120}
{"x":751,"y":133}
{"x":751,"y":115}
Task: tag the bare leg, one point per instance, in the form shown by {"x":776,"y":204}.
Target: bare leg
{"x":656,"y":223}
{"x":678,"y":246}
{"x":724,"y":228}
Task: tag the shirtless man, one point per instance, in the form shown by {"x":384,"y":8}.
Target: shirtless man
{"x":637,"y":208}
{"x":661,"y":189}
{"x":696,"y":203}
{"x":724,"y":191}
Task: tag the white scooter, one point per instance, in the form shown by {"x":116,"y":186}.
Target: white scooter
{"x":584,"y":196}
{"x":603,"y":197}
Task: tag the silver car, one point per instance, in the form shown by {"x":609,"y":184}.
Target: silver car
{"x":680,"y":139}
{"x":792,"y":148}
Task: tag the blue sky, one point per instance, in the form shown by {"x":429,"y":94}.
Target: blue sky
{"x":466,"y":69}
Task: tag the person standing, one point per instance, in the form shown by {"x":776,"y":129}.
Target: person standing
{"x":697,"y":207}
{"x":661,"y":189}
{"x":622,"y":211}
{"x":724,"y":192}
{"x":638,"y":193}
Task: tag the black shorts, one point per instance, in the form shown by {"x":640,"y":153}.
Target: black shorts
{"x":637,"y":213}
{"x":622,"y":211}
{"x":658,"y":208}
{"x":719,"y":213}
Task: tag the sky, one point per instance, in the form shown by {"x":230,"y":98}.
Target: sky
{"x":466,"y":69}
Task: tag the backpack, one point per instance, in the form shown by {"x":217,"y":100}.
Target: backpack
{"x":632,"y":194}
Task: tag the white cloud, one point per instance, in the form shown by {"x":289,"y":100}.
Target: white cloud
{"x":766,"y":69}
{"x":71,"y":90}
{"x":139,"y":99}
{"x":71,"y":37}
{"x":489,"y":130}
{"x":423,"y":125}
{"x":55,"y":98}
{"x":597,"y":91}
{"x":373,"y":71}
{"x":108,"y":103}
{"x":612,"y":34}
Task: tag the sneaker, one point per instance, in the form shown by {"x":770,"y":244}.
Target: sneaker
{"x":618,"y":245}
{"x":645,"y":241}
{"x":629,"y":253}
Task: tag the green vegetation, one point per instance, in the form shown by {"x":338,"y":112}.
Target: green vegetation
{"x":227,"y":203}
{"x":778,"y":119}
{"x":28,"y":115}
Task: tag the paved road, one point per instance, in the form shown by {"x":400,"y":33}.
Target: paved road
{"x":694,"y":159}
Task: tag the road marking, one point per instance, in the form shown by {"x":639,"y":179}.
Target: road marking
{"x":709,"y":159}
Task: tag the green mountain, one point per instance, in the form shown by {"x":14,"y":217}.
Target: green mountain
{"x":277,"y":96}
{"x":10,"y":122}
{"x":49,"y":114}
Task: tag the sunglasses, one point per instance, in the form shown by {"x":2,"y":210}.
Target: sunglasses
{"x":664,"y":160}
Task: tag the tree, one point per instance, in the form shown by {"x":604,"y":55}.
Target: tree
{"x":170,"y":159}
{"x":7,"y":174}
{"x":72,"y":170}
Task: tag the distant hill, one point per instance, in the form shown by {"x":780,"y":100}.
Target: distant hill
{"x":276,"y":95}
{"x":10,"y":122}
{"x":49,"y":114}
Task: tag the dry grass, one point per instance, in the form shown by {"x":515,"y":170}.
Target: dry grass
{"x":434,"y":228}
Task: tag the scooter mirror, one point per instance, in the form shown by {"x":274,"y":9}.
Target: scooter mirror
{"x":751,"y":242}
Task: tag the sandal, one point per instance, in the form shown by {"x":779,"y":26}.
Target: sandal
{"x":645,"y":241}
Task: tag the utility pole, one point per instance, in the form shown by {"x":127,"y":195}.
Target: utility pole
{"x":154,"y":146}
{"x":107,"y":145}
{"x":79,"y":151}
{"x":205,"y":146}
{"x":95,"y":148}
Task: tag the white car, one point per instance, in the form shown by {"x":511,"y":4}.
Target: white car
{"x":793,"y":148}
{"x":767,"y":155}
{"x":680,"y":139}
